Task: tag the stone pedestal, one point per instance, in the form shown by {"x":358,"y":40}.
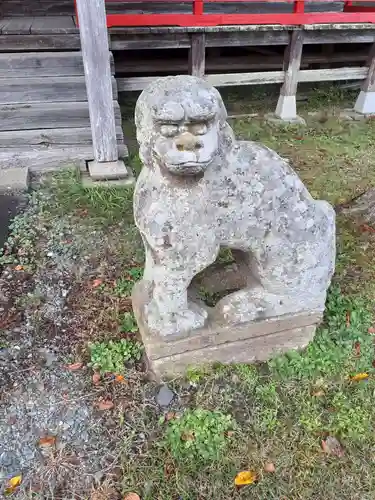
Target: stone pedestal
{"x":171,"y":355}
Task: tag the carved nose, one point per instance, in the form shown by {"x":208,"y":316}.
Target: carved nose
{"x":187,"y":142}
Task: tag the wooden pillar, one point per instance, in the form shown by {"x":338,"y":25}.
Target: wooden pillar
{"x":96,"y":61}
{"x":197,"y":55}
{"x":286,"y":108}
{"x":365,"y":102}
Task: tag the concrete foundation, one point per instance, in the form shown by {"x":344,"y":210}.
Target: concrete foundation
{"x":286,"y":108}
{"x":171,"y":355}
{"x":365,"y":103}
{"x":106,"y":171}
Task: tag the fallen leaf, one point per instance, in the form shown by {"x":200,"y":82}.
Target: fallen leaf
{"x":245,"y":477}
{"x":359,"y":376}
{"x":132,"y":496}
{"x":96,"y":378}
{"x":331,"y":446}
{"x":18,"y":268}
{"x":96,"y":283}
{"x":47,"y":441}
{"x":347,"y":319}
{"x":170,"y":416}
{"x":368,"y":229}
{"x":318,"y":394}
{"x":269,"y":467}
{"x":357,"y":348}
{"x":187,"y":436}
{"x":120,"y":378}
{"x":230,"y":433}
{"x":371,"y":330}
{"x":107,"y":404}
{"x":74,"y":366}
{"x":13,"y":484}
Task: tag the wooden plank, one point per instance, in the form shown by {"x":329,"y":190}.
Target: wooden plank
{"x":95,"y":51}
{"x":369,"y":83}
{"x":197,"y":55}
{"x":10,"y":43}
{"x":220,"y":80}
{"x":293,"y":55}
{"x":40,"y":137}
{"x":52,"y":89}
{"x":57,"y":24}
{"x":331,"y":75}
{"x":48,"y":116}
{"x":42,"y":159}
{"x":38,"y":64}
{"x":17,"y":26}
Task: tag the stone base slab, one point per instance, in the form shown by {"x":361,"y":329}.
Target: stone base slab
{"x":14,"y":179}
{"x":171,"y":355}
{"x":109,"y":170}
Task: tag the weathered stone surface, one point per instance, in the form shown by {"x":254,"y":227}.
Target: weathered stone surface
{"x":164,"y":396}
{"x":243,"y":351}
{"x":199,"y":190}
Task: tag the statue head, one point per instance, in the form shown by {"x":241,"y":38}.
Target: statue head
{"x":180,"y":122}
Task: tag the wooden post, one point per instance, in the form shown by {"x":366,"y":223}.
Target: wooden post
{"x":365,"y":103}
{"x":286,"y":108}
{"x":96,"y":61}
{"x":197,"y":55}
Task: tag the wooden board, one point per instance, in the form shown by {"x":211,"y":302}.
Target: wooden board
{"x":42,"y":159}
{"x":236,"y":38}
{"x":38,"y":64}
{"x":332,"y":75}
{"x":48,"y":116}
{"x":10,"y":43}
{"x":56,"y":24}
{"x":17,"y":25}
{"x":40,"y":137}
{"x":52,"y":89}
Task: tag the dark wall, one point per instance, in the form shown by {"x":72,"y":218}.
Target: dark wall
{"x":10,"y":8}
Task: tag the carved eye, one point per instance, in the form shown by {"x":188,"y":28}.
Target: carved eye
{"x":198,"y":129}
{"x":169,"y":130}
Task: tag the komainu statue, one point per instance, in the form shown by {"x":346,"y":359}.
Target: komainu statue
{"x":200,"y":190}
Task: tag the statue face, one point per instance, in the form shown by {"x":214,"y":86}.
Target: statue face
{"x":186,"y":135}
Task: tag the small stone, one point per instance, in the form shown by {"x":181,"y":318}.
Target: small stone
{"x":164,"y":396}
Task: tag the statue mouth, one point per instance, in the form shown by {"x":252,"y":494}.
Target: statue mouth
{"x":188,"y":168}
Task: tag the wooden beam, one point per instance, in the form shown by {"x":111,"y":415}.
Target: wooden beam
{"x":197,"y":55}
{"x":365,"y":102}
{"x":96,"y":62}
{"x":286,"y":108}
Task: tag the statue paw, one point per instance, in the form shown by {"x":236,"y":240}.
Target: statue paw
{"x":179,"y":322}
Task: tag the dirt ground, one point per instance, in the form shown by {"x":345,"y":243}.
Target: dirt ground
{"x":80,"y":417}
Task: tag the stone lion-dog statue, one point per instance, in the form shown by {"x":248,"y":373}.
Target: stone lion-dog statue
{"x":201,"y":190}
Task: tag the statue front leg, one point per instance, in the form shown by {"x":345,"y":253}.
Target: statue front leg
{"x":169,"y":311}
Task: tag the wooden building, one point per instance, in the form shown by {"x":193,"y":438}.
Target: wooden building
{"x":62,"y":65}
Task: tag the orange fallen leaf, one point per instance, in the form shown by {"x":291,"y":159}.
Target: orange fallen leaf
{"x":269,"y":467}
{"x":371,"y":330}
{"x":18,"y":268}
{"x":132,"y":496}
{"x":74,"y":366}
{"x":245,"y":477}
{"x":96,"y":378}
{"x":230,"y":433}
{"x":13,"y":484}
{"x":47,"y":441}
{"x":331,"y":446}
{"x":107,"y":404}
{"x":120,"y":378}
{"x":96,"y":283}
{"x":359,"y":376}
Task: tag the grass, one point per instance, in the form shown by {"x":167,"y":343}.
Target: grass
{"x":241,"y":417}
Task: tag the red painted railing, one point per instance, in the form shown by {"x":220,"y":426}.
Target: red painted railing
{"x":352,"y":13}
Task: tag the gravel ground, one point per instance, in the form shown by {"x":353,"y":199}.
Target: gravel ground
{"x":52,"y":431}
